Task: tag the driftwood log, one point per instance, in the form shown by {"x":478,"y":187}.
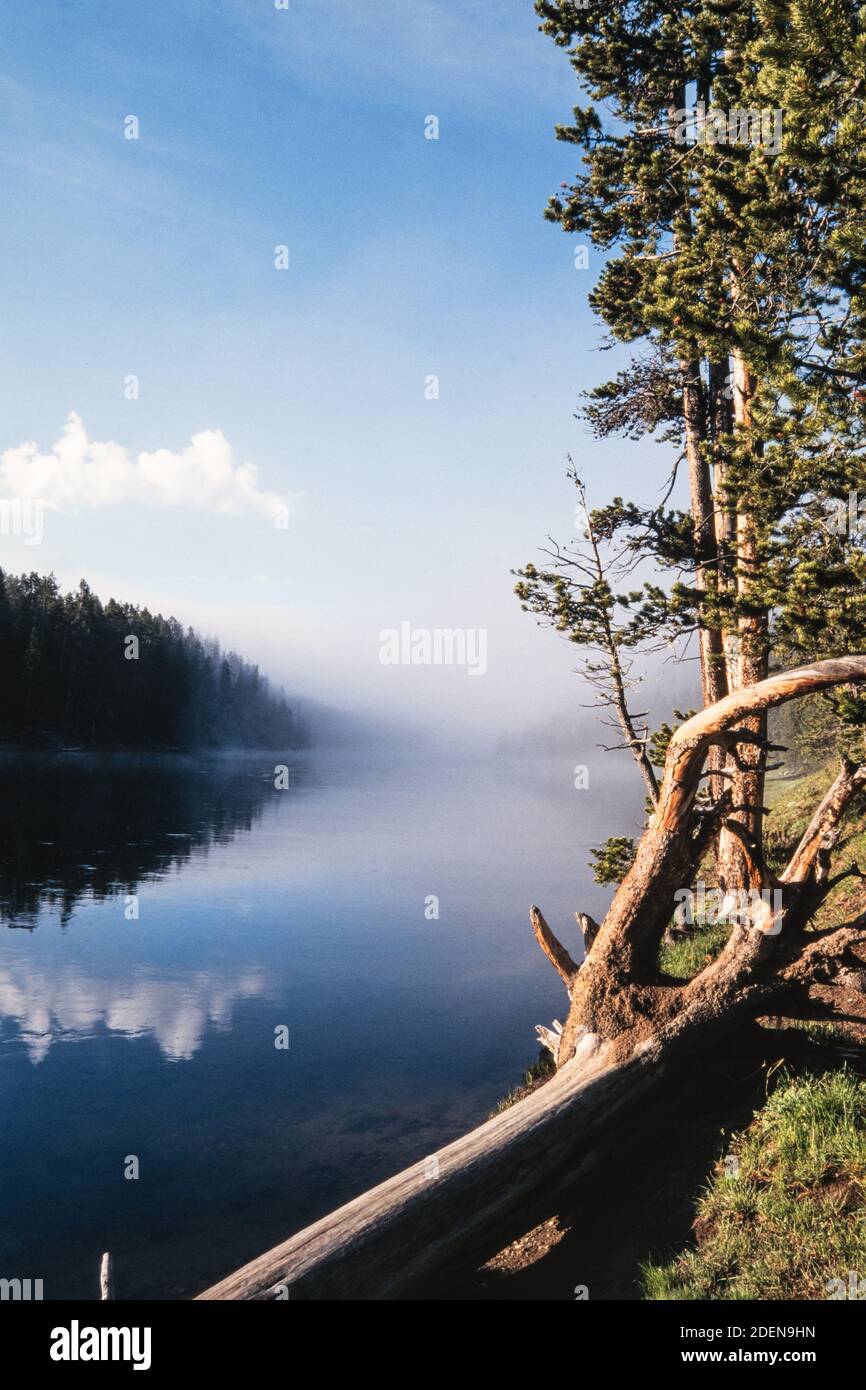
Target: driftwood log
{"x":456,"y":1208}
{"x":626,"y":1021}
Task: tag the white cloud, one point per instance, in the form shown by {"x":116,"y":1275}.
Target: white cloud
{"x":80,"y":472}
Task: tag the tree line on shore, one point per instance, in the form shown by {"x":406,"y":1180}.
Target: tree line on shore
{"x":78,"y":671}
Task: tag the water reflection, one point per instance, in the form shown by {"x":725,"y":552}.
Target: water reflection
{"x":68,"y":1005}
{"x":75,"y":826}
{"x":404,"y":1031}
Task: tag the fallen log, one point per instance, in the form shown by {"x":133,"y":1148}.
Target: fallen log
{"x":461,"y":1205}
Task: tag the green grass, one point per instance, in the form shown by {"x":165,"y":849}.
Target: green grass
{"x":793,"y":1218}
{"x":683,"y":959}
{"x":540,"y":1070}
{"x":791,"y":802}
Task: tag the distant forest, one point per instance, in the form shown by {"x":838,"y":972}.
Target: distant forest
{"x":69,"y":674}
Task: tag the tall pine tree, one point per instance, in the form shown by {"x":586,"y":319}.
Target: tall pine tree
{"x":723,"y":173}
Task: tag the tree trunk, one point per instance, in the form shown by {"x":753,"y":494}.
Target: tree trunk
{"x":713,"y":674}
{"x":751,"y":655}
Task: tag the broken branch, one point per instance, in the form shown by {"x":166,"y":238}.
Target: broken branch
{"x":553,"y":948}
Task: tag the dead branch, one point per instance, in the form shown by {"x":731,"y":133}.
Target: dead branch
{"x":553,"y":949}
{"x":759,"y":873}
{"x":550,"y":1037}
{"x":825,"y":823}
{"x":589,"y":930}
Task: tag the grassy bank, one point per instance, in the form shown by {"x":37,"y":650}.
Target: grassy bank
{"x":785,"y":1213}
{"x":755,"y":1185}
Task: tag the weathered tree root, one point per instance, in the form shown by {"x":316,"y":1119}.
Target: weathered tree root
{"x":771,"y":960}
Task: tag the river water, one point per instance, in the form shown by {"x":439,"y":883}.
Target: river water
{"x":166,"y":921}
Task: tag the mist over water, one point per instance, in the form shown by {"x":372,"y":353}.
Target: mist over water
{"x":258,"y":909}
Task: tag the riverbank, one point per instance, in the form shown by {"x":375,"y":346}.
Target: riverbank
{"x":759,"y":1168}
{"x":641,"y":1229}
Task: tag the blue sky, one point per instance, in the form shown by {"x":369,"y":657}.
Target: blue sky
{"x":409,"y":257}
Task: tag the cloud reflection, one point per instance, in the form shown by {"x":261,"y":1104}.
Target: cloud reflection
{"x":66,"y":1005}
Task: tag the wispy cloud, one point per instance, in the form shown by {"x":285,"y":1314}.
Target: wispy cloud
{"x":443,"y":43}
{"x":84,"y":473}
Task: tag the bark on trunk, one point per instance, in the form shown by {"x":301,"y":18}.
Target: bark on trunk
{"x":751,"y":656}
{"x":713,"y":674}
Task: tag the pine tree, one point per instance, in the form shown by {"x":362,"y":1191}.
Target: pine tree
{"x":66,"y":677}
{"x":724,"y":174}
